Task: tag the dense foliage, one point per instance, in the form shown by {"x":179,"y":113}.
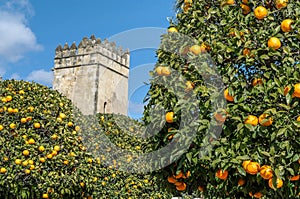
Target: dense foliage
{"x":254,"y":45}
{"x":44,"y":153}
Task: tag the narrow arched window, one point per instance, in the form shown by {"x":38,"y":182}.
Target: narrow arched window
{"x":104,"y":107}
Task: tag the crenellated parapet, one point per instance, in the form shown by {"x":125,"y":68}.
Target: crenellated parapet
{"x":87,"y":51}
{"x":93,"y":74}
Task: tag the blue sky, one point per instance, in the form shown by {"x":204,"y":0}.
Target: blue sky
{"x":30,"y":30}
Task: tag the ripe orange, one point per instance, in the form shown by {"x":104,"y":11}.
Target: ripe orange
{"x":31,"y":109}
{"x":241,"y":182}
{"x":186,"y":8}
{"x":246,"y":9}
{"x":1,"y":127}
{"x":25,"y":163}
{"x":54,"y":136}
{"x":227,"y":96}
{"x":264,"y":116}
{"x":53,"y":153}
{"x":172,"y":179}
{"x":41,"y":148}
{"x":158,"y":70}
{"x":42,"y":160}
{"x":56,"y":148}
{"x":196,"y":49}
{"x":179,"y":175}
{"x":245,"y":1}
{"x":31,"y":141}
{"x":256,"y":195}
{"x":49,"y":156}
{"x":251,"y":119}
{"x":66,"y":162}
{"x":189,"y":86}
{"x":257,"y":81}
{"x":252,"y":168}
{"x":12,"y":126}
{"x":266,"y":172}
{"x":286,"y":25}
{"x":281,"y":3}
{"x":165,"y":71}
{"x":37,"y":125}
{"x":260,"y":12}
{"x":45,"y":195}
{"x":279,"y":183}
{"x":294,"y":178}
{"x":70,"y":124}
{"x":181,"y":187}
{"x":62,"y":115}
{"x":27,"y":171}
{"x":230,"y":2}
{"x":186,"y":2}
{"x":286,"y":90}
{"x":169,"y":117}
{"x":245,"y":164}
{"x":26,"y":152}
{"x":172,"y":29}
{"x":18,"y":161}
{"x":10,"y":110}
{"x":188,"y":174}
{"x":23,"y":120}
{"x":3,"y":170}
{"x":246,"y":52}
{"x":297,"y":90}
{"x":274,"y":43}
{"x":222,"y":174}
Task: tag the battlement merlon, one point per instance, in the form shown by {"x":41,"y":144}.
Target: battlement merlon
{"x":87,"y":51}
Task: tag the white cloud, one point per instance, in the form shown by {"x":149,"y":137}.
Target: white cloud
{"x":15,"y":76}
{"x":16,"y":37}
{"x":41,"y":76}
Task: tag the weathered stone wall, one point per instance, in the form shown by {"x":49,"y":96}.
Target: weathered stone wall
{"x":93,"y":75}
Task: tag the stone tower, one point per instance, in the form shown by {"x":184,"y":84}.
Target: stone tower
{"x":94,"y":75}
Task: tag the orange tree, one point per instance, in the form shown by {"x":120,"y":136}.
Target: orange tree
{"x":44,"y":153}
{"x":255,"y":47}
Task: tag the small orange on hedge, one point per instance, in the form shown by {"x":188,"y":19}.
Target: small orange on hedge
{"x":31,"y":141}
{"x":246,"y":9}
{"x":294,"y":178}
{"x":252,"y":168}
{"x":26,"y":152}
{"x":45,"y":195}
{"x":179,"y":175}
{"x":266,"y":172}
{"x":241,"y":182}
{"x":297,"y":90}
{"x":260,"y":12}
{"x":227,"y":96}
{"x":286,"y":25}
{"x":251,"y":119}
{"x":169,"y":117}
{"x":222,"y":174}
{"x":181,"y":186}
{"x":172,"y":29}
{"x":172,"y":179}
{"x":256,"y":195}
{"x":279,"y":183}
{"x":257,"y":81}
{"x":3,"y":170}
{"x":37,"y":125}
{"x":264,"y":116}
{"x":274,"y":43}
{"x":281,"y":3}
